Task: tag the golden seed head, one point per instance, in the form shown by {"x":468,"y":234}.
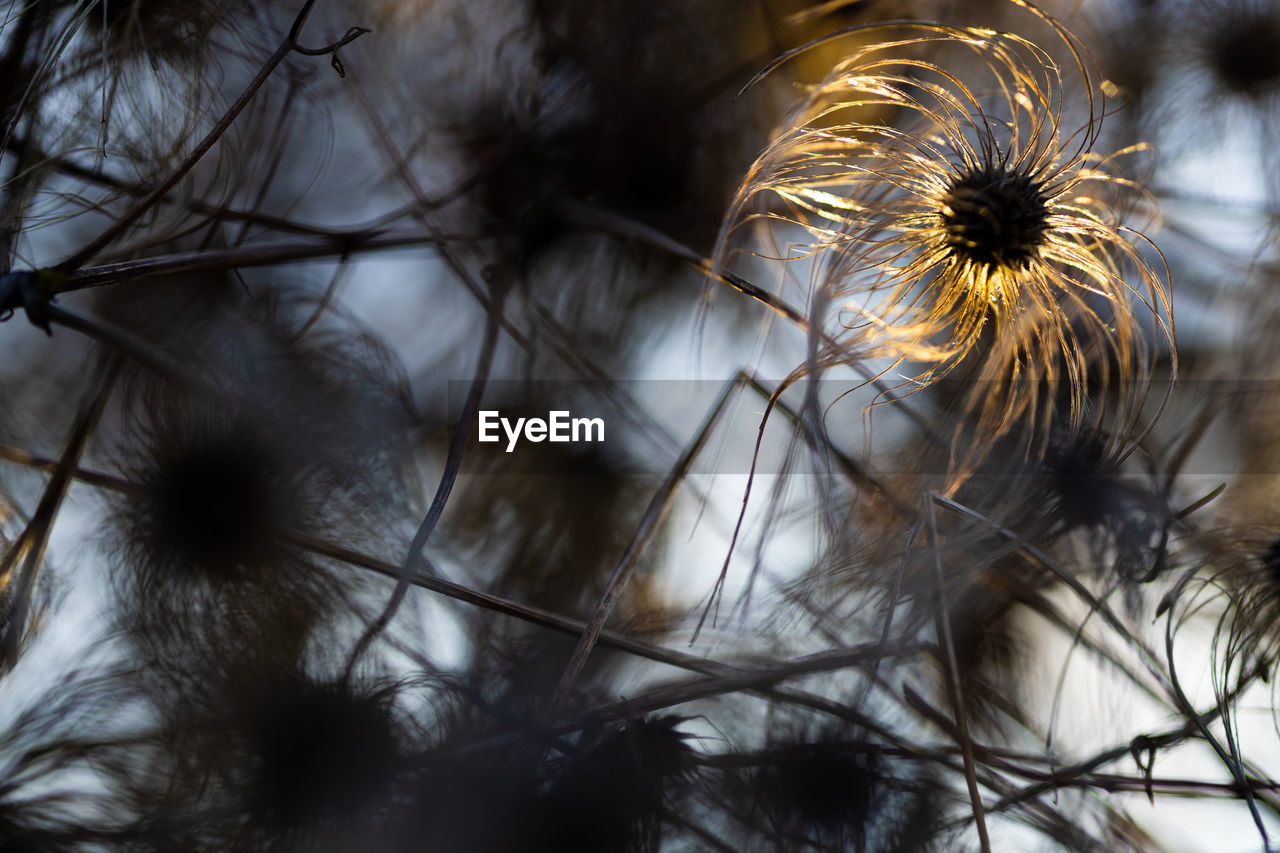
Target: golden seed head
{"x":979,"y":228}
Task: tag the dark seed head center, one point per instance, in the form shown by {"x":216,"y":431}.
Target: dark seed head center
{"x":215,"y":504}
{"x":995,"y":217}
{"x":1243,"y":51}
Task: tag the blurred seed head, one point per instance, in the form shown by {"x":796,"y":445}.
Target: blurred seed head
{"x":321,"y":753}
{"x":305,"y":438}
{"x":609,"y":796}
{"x":217,"y":500}
{"x":614,"y":106}
{"x":834,"y":790}
{"x":601,"y":792}
{"x":826,"y":790}
{"x":1240,"y":46}
{"x":280,"y":760}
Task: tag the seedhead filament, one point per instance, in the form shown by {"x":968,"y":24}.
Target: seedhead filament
{"x":995,"y":217}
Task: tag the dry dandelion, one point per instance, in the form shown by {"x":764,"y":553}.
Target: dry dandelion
{"x":958,"y":228}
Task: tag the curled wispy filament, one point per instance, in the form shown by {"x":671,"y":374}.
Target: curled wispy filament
{"x":950,"y":225}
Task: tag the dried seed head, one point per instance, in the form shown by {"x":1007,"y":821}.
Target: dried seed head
{"x":320,"y":752}
{"x":610,"y":797}
{"x":973,"y":232}
{"x":995,"y":217}
{"x":1242,"y":50}
{"x":825,"y":785}
{"x":1271,"y":561}
{"x":302,"y":442}
{"x":272,"y":759}
{"x":216,"y":505}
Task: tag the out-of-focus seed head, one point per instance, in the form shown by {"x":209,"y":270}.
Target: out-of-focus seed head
{"x":1241,"y":48}
{"x":215,"y":503}
{"x":320,"y":753}
{"x":609,"y":797}
{"x":1271,"y":561}
{"x":829,"y":786}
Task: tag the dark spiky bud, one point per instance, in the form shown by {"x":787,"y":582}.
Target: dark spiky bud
{"x":995,"y":216}
{"x":216,"y":500}
{"x":606,"y":794}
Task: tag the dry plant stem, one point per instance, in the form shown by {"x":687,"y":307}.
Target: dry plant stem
{"x":380,"y":135}
{"x":289,"y":45}
{"x":996,"y":767}
{"x":1230,"y":760}
{"x":497,"y":604}
{"x":863,"y":655}
{"x":773,"y":401}
{"x":857,"y":473}
{"x":1082,"y":770}
{"x":337,"y":246}
{"x":1150,"y":743}
{"x":453,"y":463}
{"x":1078,"y":639}
{"x":764,"y":683}
{"x":991,"y":778}
{"x":653,"y":517}
{"x":213,"y":211}
{"x":278,"y":145}
{"x":12,"y":107}
{"x":713,"y":602}
{"x":1112,"y":783}
{"x":31,"y":543}
{"x":620,"y":642}
{"x":44,"y":463}
{"x":262,"y":220}
{"x":951,"y":669}
{"x":992,"y":763}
